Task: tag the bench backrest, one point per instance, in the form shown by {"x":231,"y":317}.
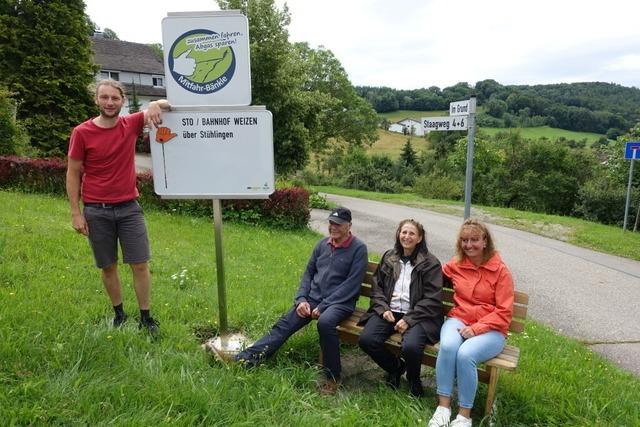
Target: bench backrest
{"x":520,"y":302}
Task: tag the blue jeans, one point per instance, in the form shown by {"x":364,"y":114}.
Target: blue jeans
{"x":458,"y":358}
{"x":289,"y":323}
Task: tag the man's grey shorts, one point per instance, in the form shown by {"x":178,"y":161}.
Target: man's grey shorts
{"x":110,"y":223}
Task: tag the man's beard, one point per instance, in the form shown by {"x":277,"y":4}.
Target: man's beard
{"x":107,"y":115}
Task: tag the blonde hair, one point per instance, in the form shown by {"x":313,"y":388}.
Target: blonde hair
{"x":110,"y":82}
{"x":477,"y":225}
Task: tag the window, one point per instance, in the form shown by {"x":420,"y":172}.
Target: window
{"x":158,"y":81}
{"x":113,"y":75}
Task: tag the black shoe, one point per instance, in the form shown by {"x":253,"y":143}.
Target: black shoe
{"x":151,"y":325}
{"x":393,"y":379}
{"x":415,"y":388}
{"x":119,"y":320}
{"x":245,"y":362}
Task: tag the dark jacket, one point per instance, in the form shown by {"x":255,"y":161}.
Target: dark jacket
{"x":425,"y":292}
{"x":334,"y":276}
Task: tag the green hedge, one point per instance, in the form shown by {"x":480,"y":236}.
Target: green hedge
{"x":286,"y":208}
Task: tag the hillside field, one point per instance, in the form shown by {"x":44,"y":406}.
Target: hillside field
{"x":391,"y":143}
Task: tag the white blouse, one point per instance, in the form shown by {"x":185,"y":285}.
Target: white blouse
{"x":400,"y":296}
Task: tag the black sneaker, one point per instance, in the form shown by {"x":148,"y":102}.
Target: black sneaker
{"x":393,"y":379}
{"x":151,"y":325}
{"x":415,"y":388}
{"x":119,"y":320}
{"x":246,"y":362}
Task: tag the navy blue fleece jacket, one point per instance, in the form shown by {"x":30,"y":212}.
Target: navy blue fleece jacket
{"x":333,"y":276}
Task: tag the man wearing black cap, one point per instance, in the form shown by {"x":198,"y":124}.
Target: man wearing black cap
{"x":328,"y":292}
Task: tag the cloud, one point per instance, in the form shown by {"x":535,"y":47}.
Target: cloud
{"x":410,"y":44}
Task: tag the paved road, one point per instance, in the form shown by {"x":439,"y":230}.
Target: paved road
{"x":143,"y":162}
{"x":581,"y":293}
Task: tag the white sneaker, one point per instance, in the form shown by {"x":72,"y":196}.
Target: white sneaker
{"x":440,"y":418}
{"x":461,"y":421}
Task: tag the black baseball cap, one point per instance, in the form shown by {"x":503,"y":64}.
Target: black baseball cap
{"x":340,"y":215}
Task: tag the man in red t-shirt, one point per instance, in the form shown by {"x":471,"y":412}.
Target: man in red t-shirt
{"x":101,"y":171}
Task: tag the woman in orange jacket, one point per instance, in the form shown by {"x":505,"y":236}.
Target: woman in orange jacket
{"x":478,"y":322}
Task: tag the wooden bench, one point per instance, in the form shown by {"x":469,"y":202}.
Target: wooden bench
{"x":488,"y":372}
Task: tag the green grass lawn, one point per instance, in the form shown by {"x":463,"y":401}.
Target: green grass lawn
{"x":61,"y":363}
{"x":548,"y":132}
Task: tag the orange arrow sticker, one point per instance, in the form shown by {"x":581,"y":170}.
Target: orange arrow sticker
{"x":164,"y":134}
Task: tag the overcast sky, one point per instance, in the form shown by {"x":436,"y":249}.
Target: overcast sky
{"x":409,"y":44}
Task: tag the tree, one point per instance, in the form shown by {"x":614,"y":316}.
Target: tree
{"x":45,"y":58}
{"x":495,"y":107}
{"x":13,"y":139}
{"x":134,"y":101}
{"x":335,"y":109}
{"x":109,"y":34}
{"x":306,"y":90}
{"x":157,"y":48}
{"x":408,"y":155}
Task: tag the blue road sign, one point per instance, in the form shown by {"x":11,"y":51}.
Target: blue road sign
{"x":630,"y":147}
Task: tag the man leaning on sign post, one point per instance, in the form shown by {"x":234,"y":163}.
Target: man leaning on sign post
{"x":101,"y":171}
{"x":327,"y":293}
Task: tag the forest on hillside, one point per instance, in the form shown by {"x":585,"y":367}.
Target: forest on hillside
{"x":604,"y":108}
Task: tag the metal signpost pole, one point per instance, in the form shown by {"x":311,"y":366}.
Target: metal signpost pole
{"x":222,"y":292}
{"x":220,"y":147}
{"x":469,"y":173}
{"x":628,"y":203}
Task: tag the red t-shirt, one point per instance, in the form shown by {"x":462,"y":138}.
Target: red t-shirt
{"x":108,"y":159}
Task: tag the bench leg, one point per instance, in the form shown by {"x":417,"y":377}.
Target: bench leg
{"x":494,"y":373}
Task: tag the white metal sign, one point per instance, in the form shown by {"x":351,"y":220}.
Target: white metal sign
{"x":206,"y":58}
{"x":214,"y":154}
{"x":460,"y":108}
{"x":444,"y":123}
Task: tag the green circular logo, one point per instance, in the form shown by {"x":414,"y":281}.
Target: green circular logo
{"x":202,"y":61}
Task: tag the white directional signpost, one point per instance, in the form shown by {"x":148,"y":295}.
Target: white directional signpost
{"x":444,"y":123}
{"x":214,"y":154}
{"x":631,"y":152}
{"x":212,"y":144}
{"x":461,"y":117}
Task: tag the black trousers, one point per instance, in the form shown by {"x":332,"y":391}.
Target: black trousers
{"x":375,"y":333}
{"x":290,"y":323}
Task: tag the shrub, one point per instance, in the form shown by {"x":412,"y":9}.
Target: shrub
{"x":603,"y":201}
{"x":286,"y":208}
{"x":33,"y":175}
{"x":13,"y":135}
{"x":436,"y":186}
{"x":142,"y":143}
{"x":318,"y":201}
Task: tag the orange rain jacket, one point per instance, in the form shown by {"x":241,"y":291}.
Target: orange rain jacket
{"x":483,"y":295}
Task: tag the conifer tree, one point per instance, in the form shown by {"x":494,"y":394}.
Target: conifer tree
{"x":45,"y":59}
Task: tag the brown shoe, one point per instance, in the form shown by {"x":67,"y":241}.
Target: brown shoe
{"x":329,"y":387}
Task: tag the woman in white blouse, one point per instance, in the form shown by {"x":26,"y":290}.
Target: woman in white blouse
{"x":406,"y":297}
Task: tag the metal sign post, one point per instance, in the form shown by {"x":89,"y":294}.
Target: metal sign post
{"x":634,"y":148}
{"x":468,"y":181}
{"x":212,"y":144}
{"x":222,"y":290}
{"x":462,"y":117}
